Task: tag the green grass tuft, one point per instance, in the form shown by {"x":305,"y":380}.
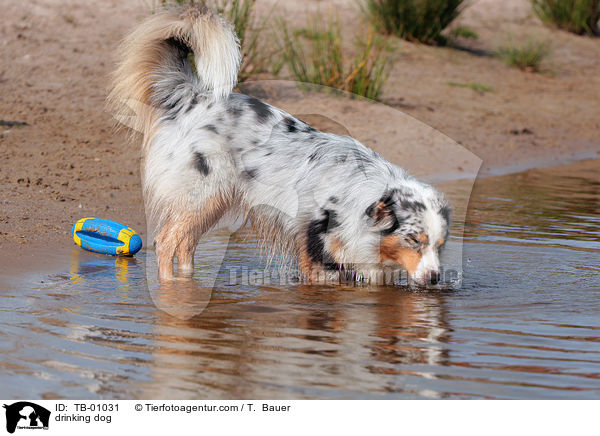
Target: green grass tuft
{"x":577,"y":16}
{"x":463,"y":32}
{"x":315,"y":54}
{"x":480,"y":88}
{"x":527,"y":56}
{"x":416,"y":20}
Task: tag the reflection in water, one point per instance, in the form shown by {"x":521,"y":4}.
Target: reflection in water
{"x":302,"y":342}
{"x":524,"y":324}
{"x":107,"y":266}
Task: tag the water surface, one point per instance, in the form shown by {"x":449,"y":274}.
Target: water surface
{"x":525,"y":324}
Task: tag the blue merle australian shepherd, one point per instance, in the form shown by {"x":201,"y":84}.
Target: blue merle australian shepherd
{"x":209,"y":152}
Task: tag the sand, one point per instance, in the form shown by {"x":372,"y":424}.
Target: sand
{"x":67,"y":161}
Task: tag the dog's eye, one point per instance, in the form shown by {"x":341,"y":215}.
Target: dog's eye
{"x":412,"y":239}
{"x":416,"y":242}
{"x":413,"y":243}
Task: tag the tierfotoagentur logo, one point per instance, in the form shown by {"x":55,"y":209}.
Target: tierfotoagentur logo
{"x":26,"y":416}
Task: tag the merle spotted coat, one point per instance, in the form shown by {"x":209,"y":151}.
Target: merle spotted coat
{"x":327,"y":200}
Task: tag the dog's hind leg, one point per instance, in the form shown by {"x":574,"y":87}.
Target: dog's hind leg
{"x":180,"y":235}
{"x":166,"y":244}
{"x":185,"y":252}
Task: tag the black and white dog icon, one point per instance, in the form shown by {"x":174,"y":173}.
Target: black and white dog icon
{"x":27,"y":415}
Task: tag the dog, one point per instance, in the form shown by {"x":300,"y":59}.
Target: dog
{"x":208,"y":152}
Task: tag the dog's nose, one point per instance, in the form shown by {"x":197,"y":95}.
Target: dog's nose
{"x":433,"y":277}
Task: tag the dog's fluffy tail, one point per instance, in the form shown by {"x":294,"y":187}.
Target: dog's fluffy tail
{"x":155,"y":76}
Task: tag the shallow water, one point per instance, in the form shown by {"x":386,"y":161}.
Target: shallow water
{"x":524,"y":324}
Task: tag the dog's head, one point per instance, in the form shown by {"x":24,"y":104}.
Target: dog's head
{"x":413,"y":226}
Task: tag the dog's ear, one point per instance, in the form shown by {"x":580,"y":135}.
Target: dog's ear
{"x":444,"y":207}
{"x":381,"y":216}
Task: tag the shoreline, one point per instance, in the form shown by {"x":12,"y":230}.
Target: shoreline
{"x":43,"y":257}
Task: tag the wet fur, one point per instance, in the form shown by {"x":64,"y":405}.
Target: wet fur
{"x":326,"y":200}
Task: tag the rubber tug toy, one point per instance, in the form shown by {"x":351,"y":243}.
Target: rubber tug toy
{"x":106,"y":237}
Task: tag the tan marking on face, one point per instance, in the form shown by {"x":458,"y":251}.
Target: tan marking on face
{"x":423,"y":238}
{"x":389,"y":245}
{"x":391,"y":250}
{"x":440,"y":242}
